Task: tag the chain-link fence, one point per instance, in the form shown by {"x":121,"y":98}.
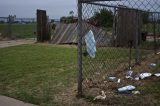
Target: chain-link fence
{"x":115,"y":37}
{"x":12,"y":27}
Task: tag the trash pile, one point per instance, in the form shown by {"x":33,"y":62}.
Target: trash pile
{"x":101,"y":97}
{"x":122,"y":88}
{"x":128,"y":89}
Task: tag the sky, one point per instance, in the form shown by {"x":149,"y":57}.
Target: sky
{"x":27,"y":8}
{"x":55,"y":8}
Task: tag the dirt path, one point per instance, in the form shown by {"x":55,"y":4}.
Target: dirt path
{"x":9,"y":43}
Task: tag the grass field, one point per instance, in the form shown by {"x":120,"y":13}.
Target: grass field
{"x":36,"y":73}
{"x":19,"y":30}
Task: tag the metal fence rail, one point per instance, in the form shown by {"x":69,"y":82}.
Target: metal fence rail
{"x":133,"y":29}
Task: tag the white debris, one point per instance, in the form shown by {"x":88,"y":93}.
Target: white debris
{"x":157,"y":75}
{"x":129,"y":77}
{"x":145,"y":75}
{"x":153,"y":65}
{"x":112,"y":79}
{"x":129,"y":74}
{"x":158,"y":53}
{"x":127,"y":88}
{"x":119,"y":80}
{"x":90,"y":44}
{"x":137,"y":79}
{"x":101,"y":97}
{"x":136,"y":92}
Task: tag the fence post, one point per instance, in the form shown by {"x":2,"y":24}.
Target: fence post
{"x":9,"y":30}
{"x":137,"y":41}
{"x":41,"y":26}
{"x":130,"y":52}
{"x":114,"y":29}
{"x":79,"y":31}
{"x":154,"y":34}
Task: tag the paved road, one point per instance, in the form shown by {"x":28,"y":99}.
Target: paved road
{"x":9,"y":43}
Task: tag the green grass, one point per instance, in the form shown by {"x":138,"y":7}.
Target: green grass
{"x":110,"y":59}
{"x":150,"y":28}
{"x":35,"y":73}
{"x":106,"y":59}
{"x":19,"y":30}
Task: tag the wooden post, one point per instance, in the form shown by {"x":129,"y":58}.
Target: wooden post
{"x":42,"y":26}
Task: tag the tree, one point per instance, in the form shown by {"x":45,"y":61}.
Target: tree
{"x":104,"y":18}
{"x":68,"y":19}
{"x":62,"y":19}
{"x":71,"y":13}
{"x":1,"y":22}
{"x":52,"y":20}
{"x":145,"y":17}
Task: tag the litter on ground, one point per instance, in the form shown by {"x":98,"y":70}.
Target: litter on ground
{"x":137,"y":79}
{"x":119,"y":80}
{"x":152,"y":65}
{"x":157,"y":74}
{"x":145,"y":75}
{"x":126,"y":88}
{"x":101,"y":97}
{"x":136,"y":92}
{"x":113,"y":79}
{"x":129,"y":74}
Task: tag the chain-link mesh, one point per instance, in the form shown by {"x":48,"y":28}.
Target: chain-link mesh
{"x":117,"y":36}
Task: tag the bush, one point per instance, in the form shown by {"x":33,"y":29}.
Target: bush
{"x":103,"y":18}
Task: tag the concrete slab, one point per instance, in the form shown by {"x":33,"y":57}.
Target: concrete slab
{"x":7,"y":101}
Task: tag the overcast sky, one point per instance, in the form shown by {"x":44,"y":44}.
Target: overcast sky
{"x":56,"y":8}
{"x":27,"y":8}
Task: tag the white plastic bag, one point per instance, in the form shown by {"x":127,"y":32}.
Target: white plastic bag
{"x":157,"y":75}
{"x":145,"y":75}
{"x":90,"y":44}
{"x":127,"y":88}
